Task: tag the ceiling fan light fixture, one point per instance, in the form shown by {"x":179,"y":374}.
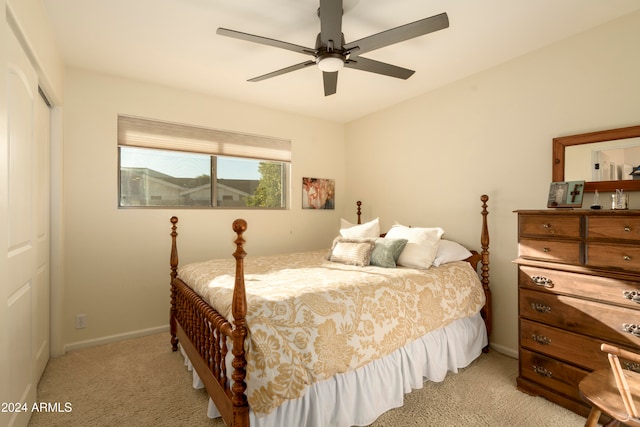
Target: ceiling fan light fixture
{"x":330,"y":62}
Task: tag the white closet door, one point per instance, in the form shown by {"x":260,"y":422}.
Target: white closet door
{"x":26,"y":246}
{"x":42,"y":296}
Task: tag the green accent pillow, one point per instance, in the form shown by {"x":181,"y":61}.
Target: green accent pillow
{"x":386,"y":252}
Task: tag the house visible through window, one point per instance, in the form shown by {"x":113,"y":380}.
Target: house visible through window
{"x":171,"y":165}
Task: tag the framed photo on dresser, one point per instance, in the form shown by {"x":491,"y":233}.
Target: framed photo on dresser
{"x":565,"y":194}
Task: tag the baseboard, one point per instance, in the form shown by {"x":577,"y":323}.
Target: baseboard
{"x":504,"y":350}
{"x":144,"y":332}
{"x":114,"y":338}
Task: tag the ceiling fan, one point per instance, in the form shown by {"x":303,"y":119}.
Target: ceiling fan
{"x":331,"y":53}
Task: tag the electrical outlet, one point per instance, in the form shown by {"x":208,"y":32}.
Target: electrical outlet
{"x":81,"y":321}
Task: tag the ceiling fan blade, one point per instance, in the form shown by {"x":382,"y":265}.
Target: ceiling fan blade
{"x":265,"y":40}
{"x":398,"y":34}
{"x":283,"y":71}
{"x":372,"y":66}
{"x":330,"y":13}
{"x":330,"y":80}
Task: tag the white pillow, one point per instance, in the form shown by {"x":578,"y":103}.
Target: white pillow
{"x":346,"y":224}
{"x":421,"y":247}
{"x":360,"y":231}
{"x":450,"y":251}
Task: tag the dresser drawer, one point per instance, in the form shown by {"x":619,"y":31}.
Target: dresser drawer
{"x":595,"y":319}
{"x":549,"y":226}
{"x":554,"y":374}
{"x":569,"y":347}
{"x":550,"y":250}
{"x":619,"y":227}
{"x":626,"y":257}
{"x":618,"y":292}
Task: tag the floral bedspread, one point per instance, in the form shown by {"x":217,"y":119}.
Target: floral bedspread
{"x":309,"y":318}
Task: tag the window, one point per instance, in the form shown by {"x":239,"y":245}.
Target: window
{"x":171,"y":165}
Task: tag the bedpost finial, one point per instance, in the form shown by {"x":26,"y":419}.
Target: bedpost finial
{"x":239,"y":225}
{"x":174,"y":220}
{"x":484,"y":198}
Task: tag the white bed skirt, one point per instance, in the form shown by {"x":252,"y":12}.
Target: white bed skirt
{"x":358,"y":397}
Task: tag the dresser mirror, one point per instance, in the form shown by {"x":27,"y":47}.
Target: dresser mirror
{"x":603,"y":159}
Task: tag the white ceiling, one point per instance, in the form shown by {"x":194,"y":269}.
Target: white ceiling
{"x":174,"y":43}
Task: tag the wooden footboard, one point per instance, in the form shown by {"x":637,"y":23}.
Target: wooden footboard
{"x":205,"y":335}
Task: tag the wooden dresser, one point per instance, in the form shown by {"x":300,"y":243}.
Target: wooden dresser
{"x":578,"y":286}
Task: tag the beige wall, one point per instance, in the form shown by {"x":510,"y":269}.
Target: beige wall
{"x":428,"y":160}
{"x":116,"y":260}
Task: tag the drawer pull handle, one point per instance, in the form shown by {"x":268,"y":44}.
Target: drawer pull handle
{"x":546,"y":225}
{"x":541,"y":339}
{"x":632,"y":366}
{"x":545,"y":249}
{"x":626,"y":258}
{"x":541,"y":371}
{"x":632,"y":328}
{"x":542,"y":281}
{"x":627,"y":228}
{"x":540,"y":308}
{"x":632,"y":295}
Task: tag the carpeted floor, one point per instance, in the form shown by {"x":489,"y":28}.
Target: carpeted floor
{"x":141,"y":382}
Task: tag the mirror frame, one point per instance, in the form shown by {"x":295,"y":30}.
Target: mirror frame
{"x":559,"y":144}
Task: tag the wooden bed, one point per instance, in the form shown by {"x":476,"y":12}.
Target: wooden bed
{"x":207,"y":337}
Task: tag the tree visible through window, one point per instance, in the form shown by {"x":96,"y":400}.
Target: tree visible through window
{"x":269,"y":193}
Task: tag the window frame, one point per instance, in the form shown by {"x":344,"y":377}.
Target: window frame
{"x":197,"y":140}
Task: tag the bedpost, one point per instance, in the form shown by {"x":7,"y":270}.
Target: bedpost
{"x":239,"y":312}
{"x":359,"y":203}
{"x":173,"y":261}
{"x":484,"y":243}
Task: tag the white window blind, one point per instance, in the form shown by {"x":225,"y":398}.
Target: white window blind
{"x":147,"y":133}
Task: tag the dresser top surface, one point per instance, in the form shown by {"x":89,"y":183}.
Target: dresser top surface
{"x":570,"y":211}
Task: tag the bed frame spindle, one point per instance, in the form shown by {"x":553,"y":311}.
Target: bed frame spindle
{"x":239,"y":311}
{"x":173,"y":262}
{"x":484,"y":243}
